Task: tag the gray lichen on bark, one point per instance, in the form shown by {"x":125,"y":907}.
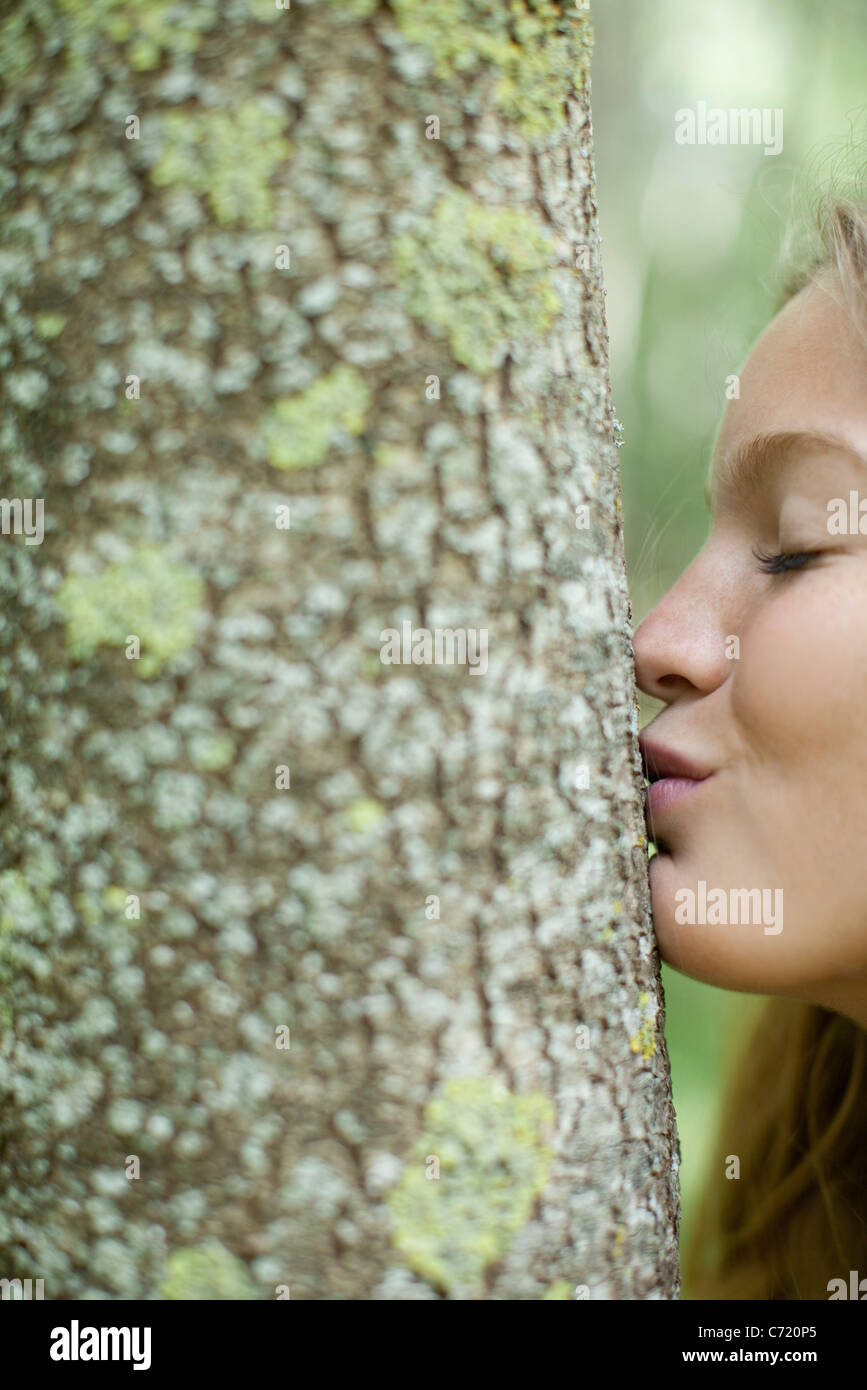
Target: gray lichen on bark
{"x":235,"y":310}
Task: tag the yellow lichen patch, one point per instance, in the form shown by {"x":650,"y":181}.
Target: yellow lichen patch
{"x":480,"y":275}
{"x":228,"y":157}
{"x":364,"y":813}
{"x":644,"y":1041}
{"x":211,"y":752}
{"x":149,"y":596}
{"x":205,"y":1273}
{"x":114,"y":897}
{"x":49,"y":325}
{"x":558,"y":1290}
{"x":537,"y":51}
{"x":299,"y":430}
{"x":492,"y":1159}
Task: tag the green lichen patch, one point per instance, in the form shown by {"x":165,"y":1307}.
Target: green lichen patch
{"x":228,"y":157}
{"x":299,"y":430}
{"x":364,"y":813}
{"x":558,"y":1291}
{"x":211,"y":752}
{"x":493,"y":1164}
{"x":481,"y":275}
{"x":205,"y":1273}
{"x":537,"y":49}
{"x":23,"y":927}
{"x":149,"y":596}
{"x":49,"y":325}
{"x":114,"y":898}
{"x":18,"y":47}
{"x":146,"y":29}
{"x":19,"y":906}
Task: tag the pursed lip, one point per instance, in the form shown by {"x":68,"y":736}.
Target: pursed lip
{"x":672,"y":776}
{"x":660,"y":762}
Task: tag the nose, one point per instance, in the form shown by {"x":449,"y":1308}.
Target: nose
{"x":681,"y":647}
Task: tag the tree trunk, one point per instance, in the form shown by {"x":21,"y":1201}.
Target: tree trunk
{"x":325,"y":972}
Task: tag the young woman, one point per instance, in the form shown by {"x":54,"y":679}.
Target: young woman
{"x":758,"y":767}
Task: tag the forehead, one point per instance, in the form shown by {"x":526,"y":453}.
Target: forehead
{"x":806,"y":374}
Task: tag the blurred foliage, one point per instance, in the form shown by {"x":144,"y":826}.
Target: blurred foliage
{"x":692,"y":241}
{"x":703,"y":1028}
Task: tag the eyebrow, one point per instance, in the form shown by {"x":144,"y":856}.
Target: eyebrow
{"x":743,"y":472}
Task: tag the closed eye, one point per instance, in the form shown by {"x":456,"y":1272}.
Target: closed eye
{"x":785,"y":560}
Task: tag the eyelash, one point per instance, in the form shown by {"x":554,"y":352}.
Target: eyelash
{"x":785,"y":560}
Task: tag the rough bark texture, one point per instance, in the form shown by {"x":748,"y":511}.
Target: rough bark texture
{"x":285,"y":256}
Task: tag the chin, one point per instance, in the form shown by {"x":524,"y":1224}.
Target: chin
{"x":736,"y":956}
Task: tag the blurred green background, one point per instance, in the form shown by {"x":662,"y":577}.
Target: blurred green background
{"x":692,"y":238}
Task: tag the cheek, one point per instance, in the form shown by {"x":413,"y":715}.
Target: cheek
{"x":799,"y":693}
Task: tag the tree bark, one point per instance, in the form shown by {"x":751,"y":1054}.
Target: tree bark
{"x":322,"y":975}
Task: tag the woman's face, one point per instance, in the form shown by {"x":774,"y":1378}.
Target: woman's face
{"x":765,"y":681}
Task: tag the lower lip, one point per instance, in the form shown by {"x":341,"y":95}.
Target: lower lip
{"x":668,"y":791}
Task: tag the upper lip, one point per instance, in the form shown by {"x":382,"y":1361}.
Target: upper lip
{"x":666,"y":762}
